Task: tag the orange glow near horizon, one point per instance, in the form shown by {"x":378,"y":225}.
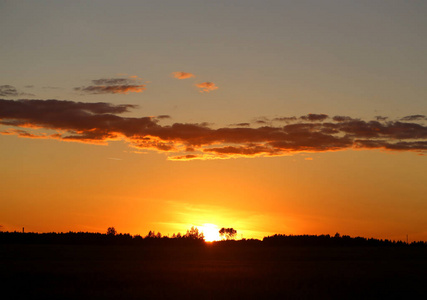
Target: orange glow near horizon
{"x":138,"y":193}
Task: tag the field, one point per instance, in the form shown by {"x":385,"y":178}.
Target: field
{"x":221,"y":271}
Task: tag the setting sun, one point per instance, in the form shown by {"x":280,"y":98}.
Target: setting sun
{"x":210,"y":231}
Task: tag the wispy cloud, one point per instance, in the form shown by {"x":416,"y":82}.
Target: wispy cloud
{"x":113,"y":86}
{"x":111,"y":81}
{"x":51,"y":88}
{"x":414,"y":118}
{"x":182,"y":75}
{"x":206,"y":87}
{"x":102,"y":122}
{"x":112,"y":89}
{"x":240,"y":124}
{"x":161,"y":117}
{"x":11,"y":91}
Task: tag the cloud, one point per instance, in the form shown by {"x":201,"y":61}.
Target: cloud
{"x":51,"y":88}
{"x":314,"y":117}
{"x":341,"y":118}
{"x":112,"y":89}
{"x":241,"y":124}
{"x":182,"y":75}
{"x":185,"y":157}
{"x":414,"y":118}
{"x":113,"y":86}
{"x":102,"y":122}
{"x":206,"y":87}
{"x":398,"y":146}
{"x":285,"y":119}
{"x":8,"y":91}
{"x":380,"y":118}
{"x":11,"y":91}
{"x":26,"y":134}
{"x":161,"y":117}
{"x":111,"y":81}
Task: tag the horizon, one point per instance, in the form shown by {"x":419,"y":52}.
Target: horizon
{"x":157,"y":234}
{"x":270,"y":118}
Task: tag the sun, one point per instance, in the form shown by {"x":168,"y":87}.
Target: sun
{"x":210,"y":231}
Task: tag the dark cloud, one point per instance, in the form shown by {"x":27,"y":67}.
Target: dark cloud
{"x":112,"y":81}
{"x":102,"y":122}
{"x":380,"y":118}
{"x":249,"y":150}
{"x":375,"y":129}
{"x":342,"y":119}
{"x":161,"y":117}
{"x":11,"y":91}
{"x":398,"y":146}
{"x":314,"y":117}
{"x":111,"y":89}
{"x":241,"y":124}
{"x":414,"y":118}
{"x":113,"y":86}
{"x":8,"y":91}
{"x":285,"y":119}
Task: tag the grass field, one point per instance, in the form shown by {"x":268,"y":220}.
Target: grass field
{"x":211,"y":272}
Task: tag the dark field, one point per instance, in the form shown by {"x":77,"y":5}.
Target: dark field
{"x":221,"y":271}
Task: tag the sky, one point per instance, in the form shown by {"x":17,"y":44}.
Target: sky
{"x":290,"y":117}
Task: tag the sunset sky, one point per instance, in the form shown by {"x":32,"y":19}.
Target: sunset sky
{"x":291,"y":117}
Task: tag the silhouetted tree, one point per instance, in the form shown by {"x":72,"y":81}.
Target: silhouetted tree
{"x":111,"y":231}
{"x":151,"y":235}
{"x":228,"y":233}
{"x":194,"y":234}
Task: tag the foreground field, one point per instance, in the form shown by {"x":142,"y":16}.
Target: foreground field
{"x":222,"y":271}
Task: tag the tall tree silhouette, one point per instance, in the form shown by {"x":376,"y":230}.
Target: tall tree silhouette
{"x":111,"y":231}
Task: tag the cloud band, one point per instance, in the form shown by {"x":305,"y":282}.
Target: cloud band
{"x":101,"y":122}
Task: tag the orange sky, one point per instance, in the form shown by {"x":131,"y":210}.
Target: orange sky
{"x":303,"y":117}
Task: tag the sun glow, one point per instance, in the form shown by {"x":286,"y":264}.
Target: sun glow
{"x":210,"y":231}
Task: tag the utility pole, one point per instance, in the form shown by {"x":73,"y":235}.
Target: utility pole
{"x":23,"y":231}
{"x":407,"y":239}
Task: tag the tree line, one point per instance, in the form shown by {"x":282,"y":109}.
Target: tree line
{"x":192,"y":237}
{"x":328,"y":240}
